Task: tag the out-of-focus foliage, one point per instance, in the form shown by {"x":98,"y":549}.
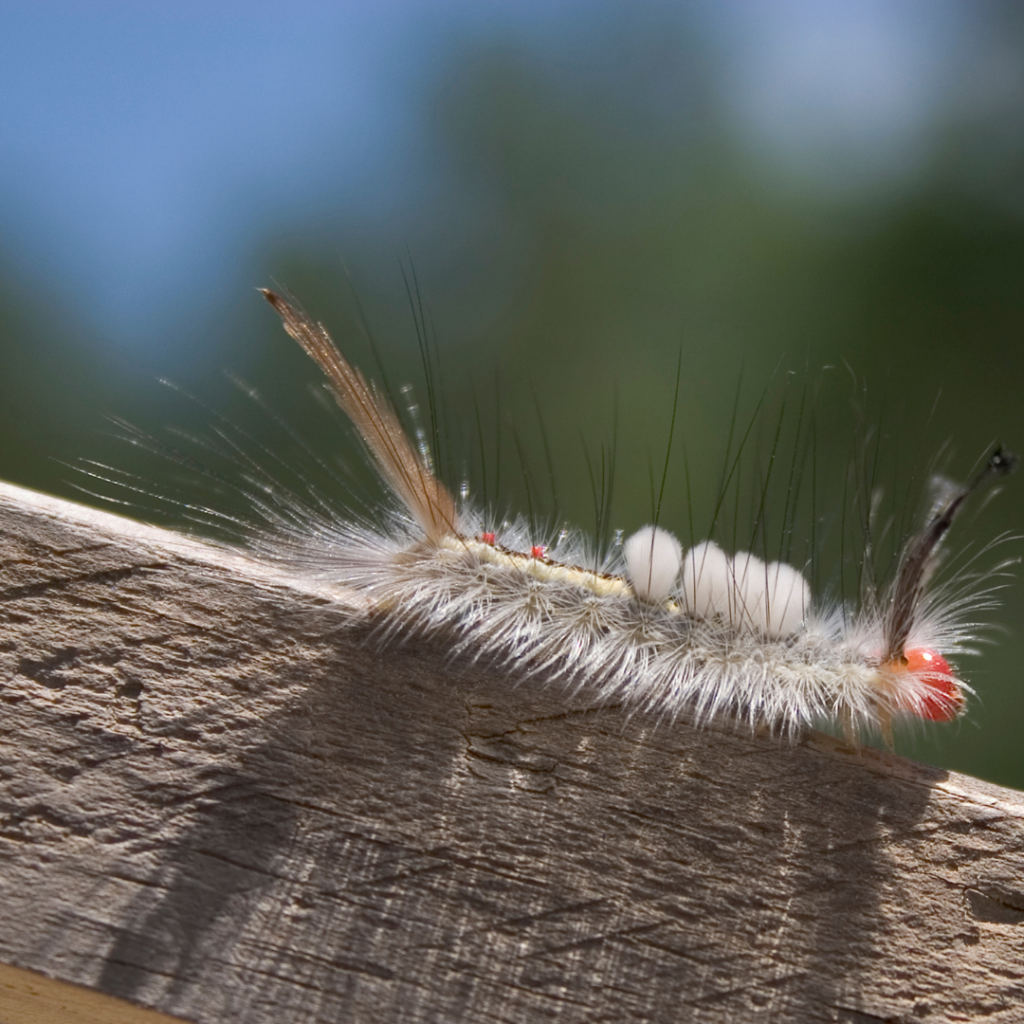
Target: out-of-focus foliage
{"x":588,"y":220}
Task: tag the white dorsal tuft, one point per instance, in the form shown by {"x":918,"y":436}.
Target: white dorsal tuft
{"x":653,"y":557}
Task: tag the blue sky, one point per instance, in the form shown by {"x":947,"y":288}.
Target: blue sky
{"x":148,"y":148}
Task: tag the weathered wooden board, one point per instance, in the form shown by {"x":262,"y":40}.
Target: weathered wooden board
{"x":221,"y":800}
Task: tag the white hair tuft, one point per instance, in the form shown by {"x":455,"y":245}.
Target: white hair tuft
{"x":653,"y":557}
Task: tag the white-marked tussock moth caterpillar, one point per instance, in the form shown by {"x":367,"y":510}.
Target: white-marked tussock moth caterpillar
{"x":701,"y":633}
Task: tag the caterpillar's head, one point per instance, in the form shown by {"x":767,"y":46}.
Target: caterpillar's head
{"x":924,"y":682}
{"x":927,"y":686}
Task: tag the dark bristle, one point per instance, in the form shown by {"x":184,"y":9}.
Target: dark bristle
{"x":919,"y":555}
{"x":1001,"y":463}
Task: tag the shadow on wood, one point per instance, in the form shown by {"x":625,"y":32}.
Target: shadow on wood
{"x":223,"y":801}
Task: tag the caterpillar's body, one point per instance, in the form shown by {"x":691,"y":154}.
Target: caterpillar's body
{"x":700,"y":634}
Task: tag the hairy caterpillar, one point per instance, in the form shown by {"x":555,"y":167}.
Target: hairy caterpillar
{"x":699,"y":633}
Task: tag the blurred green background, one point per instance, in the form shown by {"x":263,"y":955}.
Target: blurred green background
{"x":821,"y":202}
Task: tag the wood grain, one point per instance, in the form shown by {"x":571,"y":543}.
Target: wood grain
{"x":221,"y":799}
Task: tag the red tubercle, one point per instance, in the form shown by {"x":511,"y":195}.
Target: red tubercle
{"x":943,"y":701}
{"x":538,"y":551}
{"x":488,"y":538}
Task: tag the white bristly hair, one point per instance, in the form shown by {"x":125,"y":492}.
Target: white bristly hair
{"x":700,"y":634}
